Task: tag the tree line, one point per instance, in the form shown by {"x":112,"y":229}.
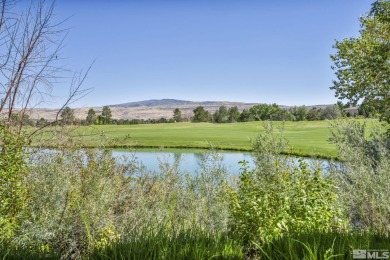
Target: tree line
{"x":270,"y":112}
{"x":223,"y":114}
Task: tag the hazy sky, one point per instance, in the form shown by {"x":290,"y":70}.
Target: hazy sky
{"x":228,"y":50}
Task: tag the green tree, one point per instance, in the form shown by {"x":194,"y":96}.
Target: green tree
{"x":342,"y":108}
{"x":233,"y":114}
{"x":20,"y":119}
{"x":106,"y":114}
{"x":263,"y":111}
{"x":177,"y":115}
{"x":362,"y":64}
{"x":366,"y":111}
{"x":99,"y":120}
{"x":221,"y":115}
{"x":313,"y":114}
{"x":162,"y":120}
{"x":300,"y":113}
{"x":90,"y":120}
{"x":201,"y":115}
{"x":245,"y":116}
{"x":41,"y":122}
{"x":330,"y":112}
{"x":67,"y":116}
{"x":282,"y":115}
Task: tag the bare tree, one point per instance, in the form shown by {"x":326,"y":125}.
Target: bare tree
{"x":30,"y":45}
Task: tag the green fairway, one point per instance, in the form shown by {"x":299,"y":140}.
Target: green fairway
{"x":305,"y":138}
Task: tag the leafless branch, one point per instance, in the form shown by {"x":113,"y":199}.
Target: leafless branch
{"x":30,"y":44}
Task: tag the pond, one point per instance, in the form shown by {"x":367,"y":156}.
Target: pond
{"x":190,"y":160}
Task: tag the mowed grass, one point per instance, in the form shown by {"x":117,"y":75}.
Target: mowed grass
{"x":305,"y":138}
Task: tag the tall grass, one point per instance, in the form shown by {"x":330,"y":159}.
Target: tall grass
{"x":201,"y":245}
{"x":321,"y":245}
{"x":186,"y":245}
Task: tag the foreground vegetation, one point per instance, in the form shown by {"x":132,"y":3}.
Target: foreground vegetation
{"x":76,"y":203}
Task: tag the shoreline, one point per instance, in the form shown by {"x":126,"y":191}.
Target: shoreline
{"x":186,"y":147}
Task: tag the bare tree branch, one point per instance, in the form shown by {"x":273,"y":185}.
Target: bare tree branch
{"x":30,"y":44}
{"x":75,"y":93}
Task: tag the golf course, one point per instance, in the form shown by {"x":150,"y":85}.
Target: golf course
{"x":306,"y":138}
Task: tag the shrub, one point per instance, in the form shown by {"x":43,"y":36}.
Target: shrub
{"x":13,"y":187}
{"x":73,"y":195}
{"x":364,"y":174}
{"x":279,"y":196}
{"x":83,"y":201}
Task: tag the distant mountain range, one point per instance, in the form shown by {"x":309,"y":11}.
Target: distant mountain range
{"x":177,"y":102}
{"x":153,"y":103}
{"x":154,"y":109}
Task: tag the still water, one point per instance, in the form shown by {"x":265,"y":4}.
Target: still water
{"x":190,"y":160}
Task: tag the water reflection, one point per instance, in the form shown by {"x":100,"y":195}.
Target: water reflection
{"x":190,"y":160}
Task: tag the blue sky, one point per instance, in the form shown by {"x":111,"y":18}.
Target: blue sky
{"x":228,"y":50}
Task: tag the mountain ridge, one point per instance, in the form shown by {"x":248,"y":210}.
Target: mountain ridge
{"x":171,"y":102}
